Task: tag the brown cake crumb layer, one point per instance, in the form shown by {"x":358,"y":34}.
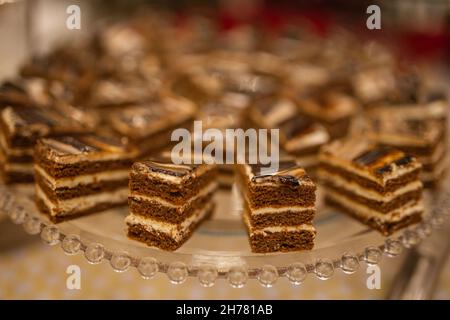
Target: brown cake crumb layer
{"x":157,"y":211}
{"x":382,"y":207}
{"x":80,"y":190}
{"x":281,"y":196}
{"x":146,"y":185}
{"x":76,"y":214}
{"x":10,"y":177}
{"x":390,"y":186}
{"x":17,"y":159}
{"x":386,"y":228}
{"x":282,"y":241}
{"x":159,"y":239}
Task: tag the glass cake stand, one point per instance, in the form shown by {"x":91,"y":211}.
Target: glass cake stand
{"x":219,"y":248}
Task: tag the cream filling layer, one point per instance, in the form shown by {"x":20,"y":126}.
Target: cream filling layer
{"x":71,"y":206}
{"x":355,"y":188}
{"x":71,"y":182}
{"x":366,"y":212}
{"x":19,"y":167}
{"x":264,"y":231}
{"x":175,"y":231}
{"x":208,"y":189}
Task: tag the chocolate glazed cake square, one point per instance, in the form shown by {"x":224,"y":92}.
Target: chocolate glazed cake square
{"x":149,"y":126}
{"x":279,"y":207}
{"x":423,"y":138}
{"x":81,"y":175}
{"x":21,"y":127}
{"x":168,"y":201}
{"x":378,"y":186}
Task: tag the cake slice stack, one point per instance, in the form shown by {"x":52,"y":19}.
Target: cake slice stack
{"x":80,"y":175}
{"x":168,"y":201}
{"x":21,"y":127}
{"x":379,"y":186}
{"x":423,"y":138}
{"x":149,"y":126}
{"x":278,"y":207}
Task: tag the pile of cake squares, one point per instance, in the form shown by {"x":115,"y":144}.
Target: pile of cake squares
{"x":90,"y":125}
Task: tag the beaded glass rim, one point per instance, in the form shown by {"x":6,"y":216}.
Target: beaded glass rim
{"x":236,"y":275}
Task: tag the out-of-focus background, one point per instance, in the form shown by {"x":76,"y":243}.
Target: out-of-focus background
{"x":32,"y":270}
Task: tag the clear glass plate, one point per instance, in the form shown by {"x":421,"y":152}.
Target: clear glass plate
{"x":219,"y":247}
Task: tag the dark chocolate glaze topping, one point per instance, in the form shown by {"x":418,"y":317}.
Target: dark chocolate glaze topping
{"x":164,"y":166}
{"x":407,"y":159}
{"x":384,"y":169}
{"x":295,"y":126}
{"x":77,"y":143}
{"x":286,"y":173}
{"x":35,"y":116}
{"x":8,"y":86}
{"x":369,"y":157}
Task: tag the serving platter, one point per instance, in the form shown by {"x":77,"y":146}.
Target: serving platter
{"x":219,"y":248}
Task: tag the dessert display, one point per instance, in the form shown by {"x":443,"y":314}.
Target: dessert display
{"x":378,"y":186}
{"x":277,"y":223}
{"x":21,"y":127}
{"x":89,"y":123}
{"x":168,"y":201}
{"x":80,"y":175}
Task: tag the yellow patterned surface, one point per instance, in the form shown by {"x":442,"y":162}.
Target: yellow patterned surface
{"x":37,"y":271}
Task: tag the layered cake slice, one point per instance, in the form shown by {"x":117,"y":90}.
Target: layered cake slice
{"x":168,"y":201}
{"x":20,"y":128}
{"x":379,"y":186}
{"x":278,"y":207}
{"x":334,"y":108}
{"x":149,"y":126}
{"x":424,"y":139}
{"x":81,"y":175}
{"x":300,"y":136}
